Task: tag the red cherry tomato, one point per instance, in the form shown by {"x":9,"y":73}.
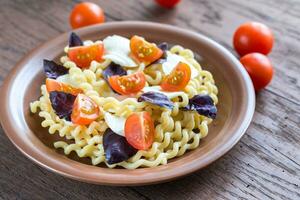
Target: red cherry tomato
{"x":129,"y":84}
{"x":53,"y":85}
{"x":86,"y":13}
{"x":85,"y":110}
{"x":253,"y":37}
{"x":144,"y":51}
{"x":139,"y":130}
{"x":84,"y":55}
{"x":178,"y":79}
{"x":260,"y":69}
{"x":167,"y":3}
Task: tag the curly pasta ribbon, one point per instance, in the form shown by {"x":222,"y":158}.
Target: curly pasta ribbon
{"x":175,"y":130}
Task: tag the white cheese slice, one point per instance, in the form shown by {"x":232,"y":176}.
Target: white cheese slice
{"x":63,"y":79}
{"x":170,"y":95}
{"x":173,"y":60}
{"x":117,"y":49}
{"x":115,"y":123}
{"x":66,"y":79}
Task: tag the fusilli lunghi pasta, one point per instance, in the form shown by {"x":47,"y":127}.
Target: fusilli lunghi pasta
{"x":176,"y":130}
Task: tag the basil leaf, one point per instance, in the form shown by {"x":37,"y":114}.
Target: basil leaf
{"x":157,"y":99}
{"x":164,"y":47}
{"x":74,"y":40}
{"x":113,"y":70}
{"x":203,"y":104}
{"x":62,"y":104}
{"x":53,"y":70}
{"x":116,"y":147}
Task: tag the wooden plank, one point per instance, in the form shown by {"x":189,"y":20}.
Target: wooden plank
{"x":216,"y":19}
{"x":20,"y":178}
{"x":264,"y":165}
{"x":219,"y":19}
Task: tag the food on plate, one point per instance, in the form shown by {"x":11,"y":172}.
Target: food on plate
{"x":177,"y":79}
{"x":85,"y":14}
{"x":143,"y":51}
{"x":84,"y":55}
{"x":259,"y":68}
{"x":168,"y":3}
{"x":126,"y":102}
{"x":128,"y":84}
{"x":139,"y":130}
{"x":253,"y":37}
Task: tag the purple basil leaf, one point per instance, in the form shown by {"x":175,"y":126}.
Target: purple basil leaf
{"x":164,"y":47}
{"x":53,"y":70}
{"x":157,"y":99}
{"x":203,"y":104}
{"x":74,"y":40}
{"x":62,"y":103}
{"x":116,"y":147}
{"x":160,"y":61}
{"x":112,"y":70}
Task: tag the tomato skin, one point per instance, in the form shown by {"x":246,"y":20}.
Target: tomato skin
{"x":178,"y":79}
{"x":53,"y":85}
{"x":84,"y":55}
{"x":86,"y":13}
{"x":139,"y":130}
{"x":143,"y":51}
{"x":253,"y":37}
{"x":129,"y":84}
{"x":259,"y":68}
{"x":167,"y":3}
{"x":85,"y":110}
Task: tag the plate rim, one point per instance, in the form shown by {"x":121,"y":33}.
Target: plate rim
{"x":247,"y":118}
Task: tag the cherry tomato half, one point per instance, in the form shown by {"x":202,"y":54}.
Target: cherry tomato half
{"x":259,"y":68}
{"x":139,"y":130}
{"x":84,"y":55}
{"x":85,"y":110}
{"x":253,"y":37}
{"x":86,"y":13}
{"x":53,"y":85}
{"x":143,"y":51}
{"x":178,"y":79}
{"x":129,"y":84}
{"x":167,"y":3}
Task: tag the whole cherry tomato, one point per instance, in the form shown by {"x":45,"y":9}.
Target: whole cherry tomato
{"x":86,"y":13}
{"x":167,"y":3}
{"x":260,"y":69}
{"x":253,"y":37}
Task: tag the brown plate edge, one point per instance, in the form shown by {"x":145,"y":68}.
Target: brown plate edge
{"x":219,"y":153}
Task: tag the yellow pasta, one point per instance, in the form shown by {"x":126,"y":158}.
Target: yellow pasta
{"x":175,"y":130}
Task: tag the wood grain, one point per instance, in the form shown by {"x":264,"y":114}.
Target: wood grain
{"x":266,"y":162}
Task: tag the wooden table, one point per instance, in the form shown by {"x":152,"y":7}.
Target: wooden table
{"x":265,"y":164}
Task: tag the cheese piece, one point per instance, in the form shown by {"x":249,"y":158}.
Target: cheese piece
{"x":117,"y":49}
{"x":173,"y":60}
{"x":115,"y":123}
{"x":170,"y":95}
{"x":66,"y":79}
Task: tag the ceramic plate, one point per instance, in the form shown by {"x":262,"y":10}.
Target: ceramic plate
{"x":235,"y":107}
